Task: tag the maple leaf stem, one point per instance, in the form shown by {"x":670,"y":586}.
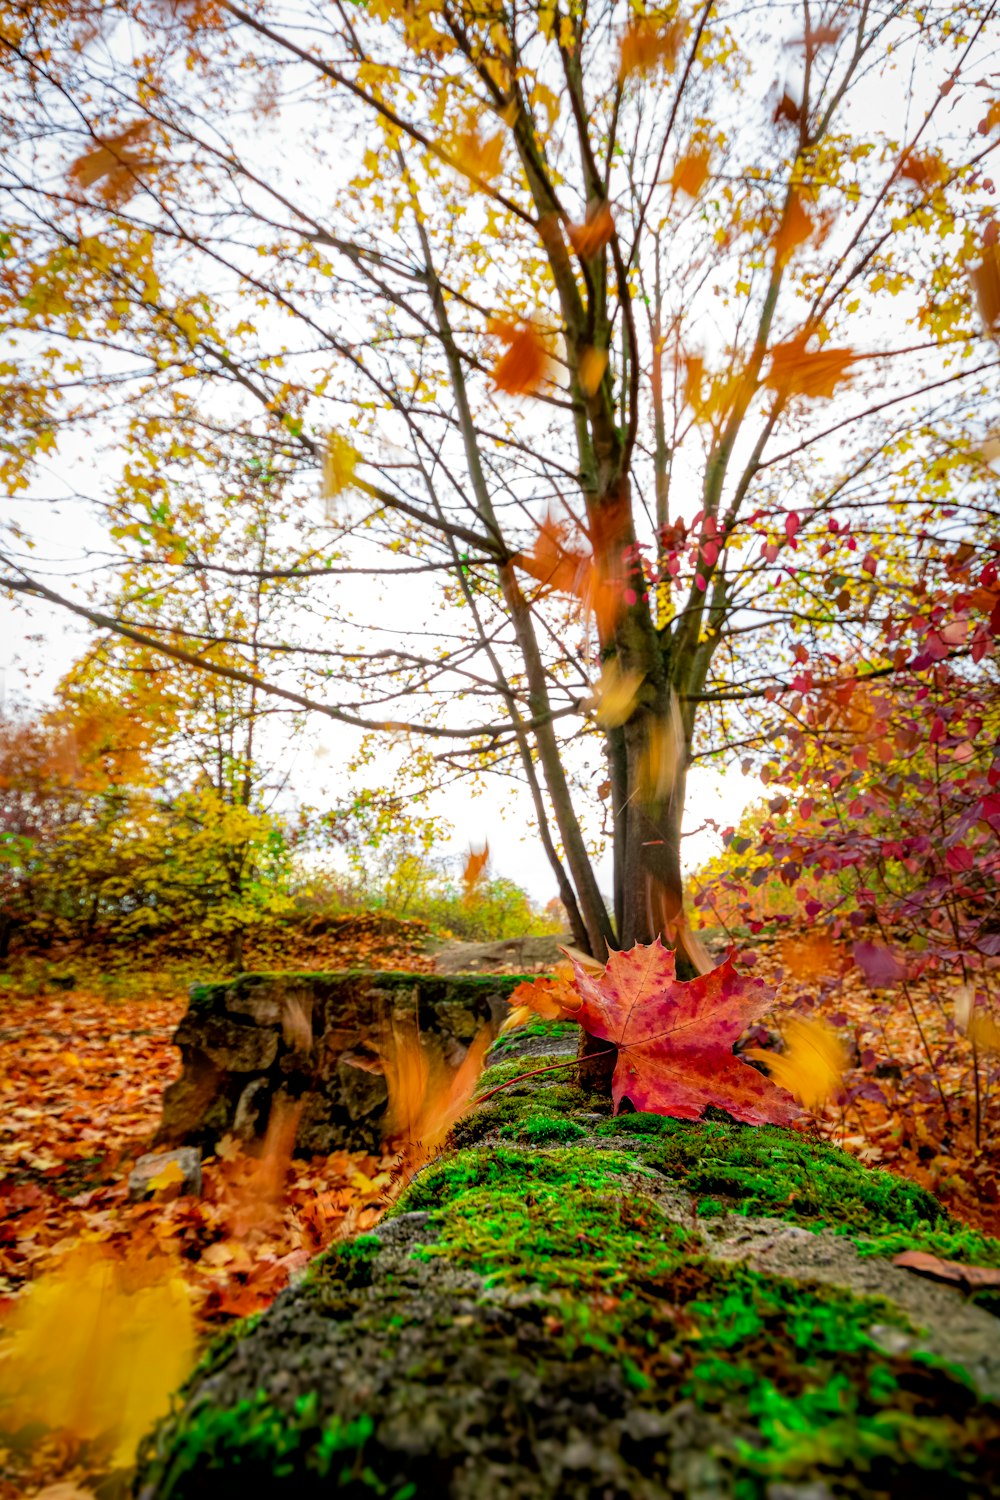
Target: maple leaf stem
{"x":571,"y":1062}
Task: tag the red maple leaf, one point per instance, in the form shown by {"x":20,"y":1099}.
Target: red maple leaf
{"x":675,"y":1038}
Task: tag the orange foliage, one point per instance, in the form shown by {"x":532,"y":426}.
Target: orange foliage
{"x":691,"y":173}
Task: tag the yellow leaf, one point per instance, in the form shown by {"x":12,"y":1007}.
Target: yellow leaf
{"x":170,"y":1176}
{"x":593,"y":363}
{"x":339,"y":462}
{"x":984,"y":1031}
{"x":812,"y":1064}
{"x":616,"y":694}
{"x":95,"y":1355}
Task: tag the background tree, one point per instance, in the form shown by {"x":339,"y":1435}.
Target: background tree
{"x":647,"y":338}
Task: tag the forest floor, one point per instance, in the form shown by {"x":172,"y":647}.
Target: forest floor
{"x":81,"y":1082}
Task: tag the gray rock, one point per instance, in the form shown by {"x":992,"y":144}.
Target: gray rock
{"x":149,"y":1167}
{"x":251,"y":1110}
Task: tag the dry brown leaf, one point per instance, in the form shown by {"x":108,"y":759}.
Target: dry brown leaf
{"x":936,"y":1269}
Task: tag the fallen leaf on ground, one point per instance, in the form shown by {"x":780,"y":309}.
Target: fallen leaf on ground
{"x":947,"y":1270}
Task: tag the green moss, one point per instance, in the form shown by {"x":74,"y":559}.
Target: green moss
{"x":349,"y":1263}
{"x":770,"y":1171}
{"x":537,"y":1030}
{"x":550,"y":1094}
{"x":954,"y":1242}
{"x":538,"y":1130}
{"x":268,"y":1447}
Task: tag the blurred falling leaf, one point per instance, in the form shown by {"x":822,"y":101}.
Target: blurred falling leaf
{"x":658,"y":768}
{"x":691,"y":173}
{"x":554,"y":562}
{"x":787,"y":110}
{"x":427,"y":1093}
{"x":984,"y":1031}
{"x":593,"y":363}
{"x":477,"y":156}
{"x":615,"y":694}
{"x":812,"y":1064}
{"x":98,"y":1348}
{"x":796,"y":228}
{"x":340,"y":459}
{"x":810,"y":959}
{"x":986,"y":285}
{"x":794,"y":372}
{"x":923,"y":168}
{"x":525,"y":363}
{"x":965,"y":999}
{"x":475,"y":867}
{"x":296,"y":1023}
{"x":115,"y":163}
{"x":816,"y":37}
{"x":648,"y":44}
{"x":880,"y":964}
{"x":590,"y":237}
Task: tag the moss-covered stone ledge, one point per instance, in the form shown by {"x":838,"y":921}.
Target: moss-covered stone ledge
{"x":315,"y":1039}
{"x":571,"y":1305}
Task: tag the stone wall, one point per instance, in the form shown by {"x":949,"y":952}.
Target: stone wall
{"x":575,"y":1306}
{"x":316,"y":1040}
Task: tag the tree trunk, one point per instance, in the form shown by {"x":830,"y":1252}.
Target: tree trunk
{"x":649,"y":886}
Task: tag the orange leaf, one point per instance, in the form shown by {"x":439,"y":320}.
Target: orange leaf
{"x":796,"y":228}
{"x":986,"y":285}
{"x":923,"y":168}
{"x":691,"y":173}
{"x":521,"y":369}
{"x":794,"y":372}
{"x":115,"y":163}
{"x":475,"y":865}
{"x":551,"y":999}
{"x":647,"y":45}
{"x":553,"y":562}
{"x":590,"y":237}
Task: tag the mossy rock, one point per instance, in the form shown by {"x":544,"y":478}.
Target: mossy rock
{"x":575,"y":1306}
